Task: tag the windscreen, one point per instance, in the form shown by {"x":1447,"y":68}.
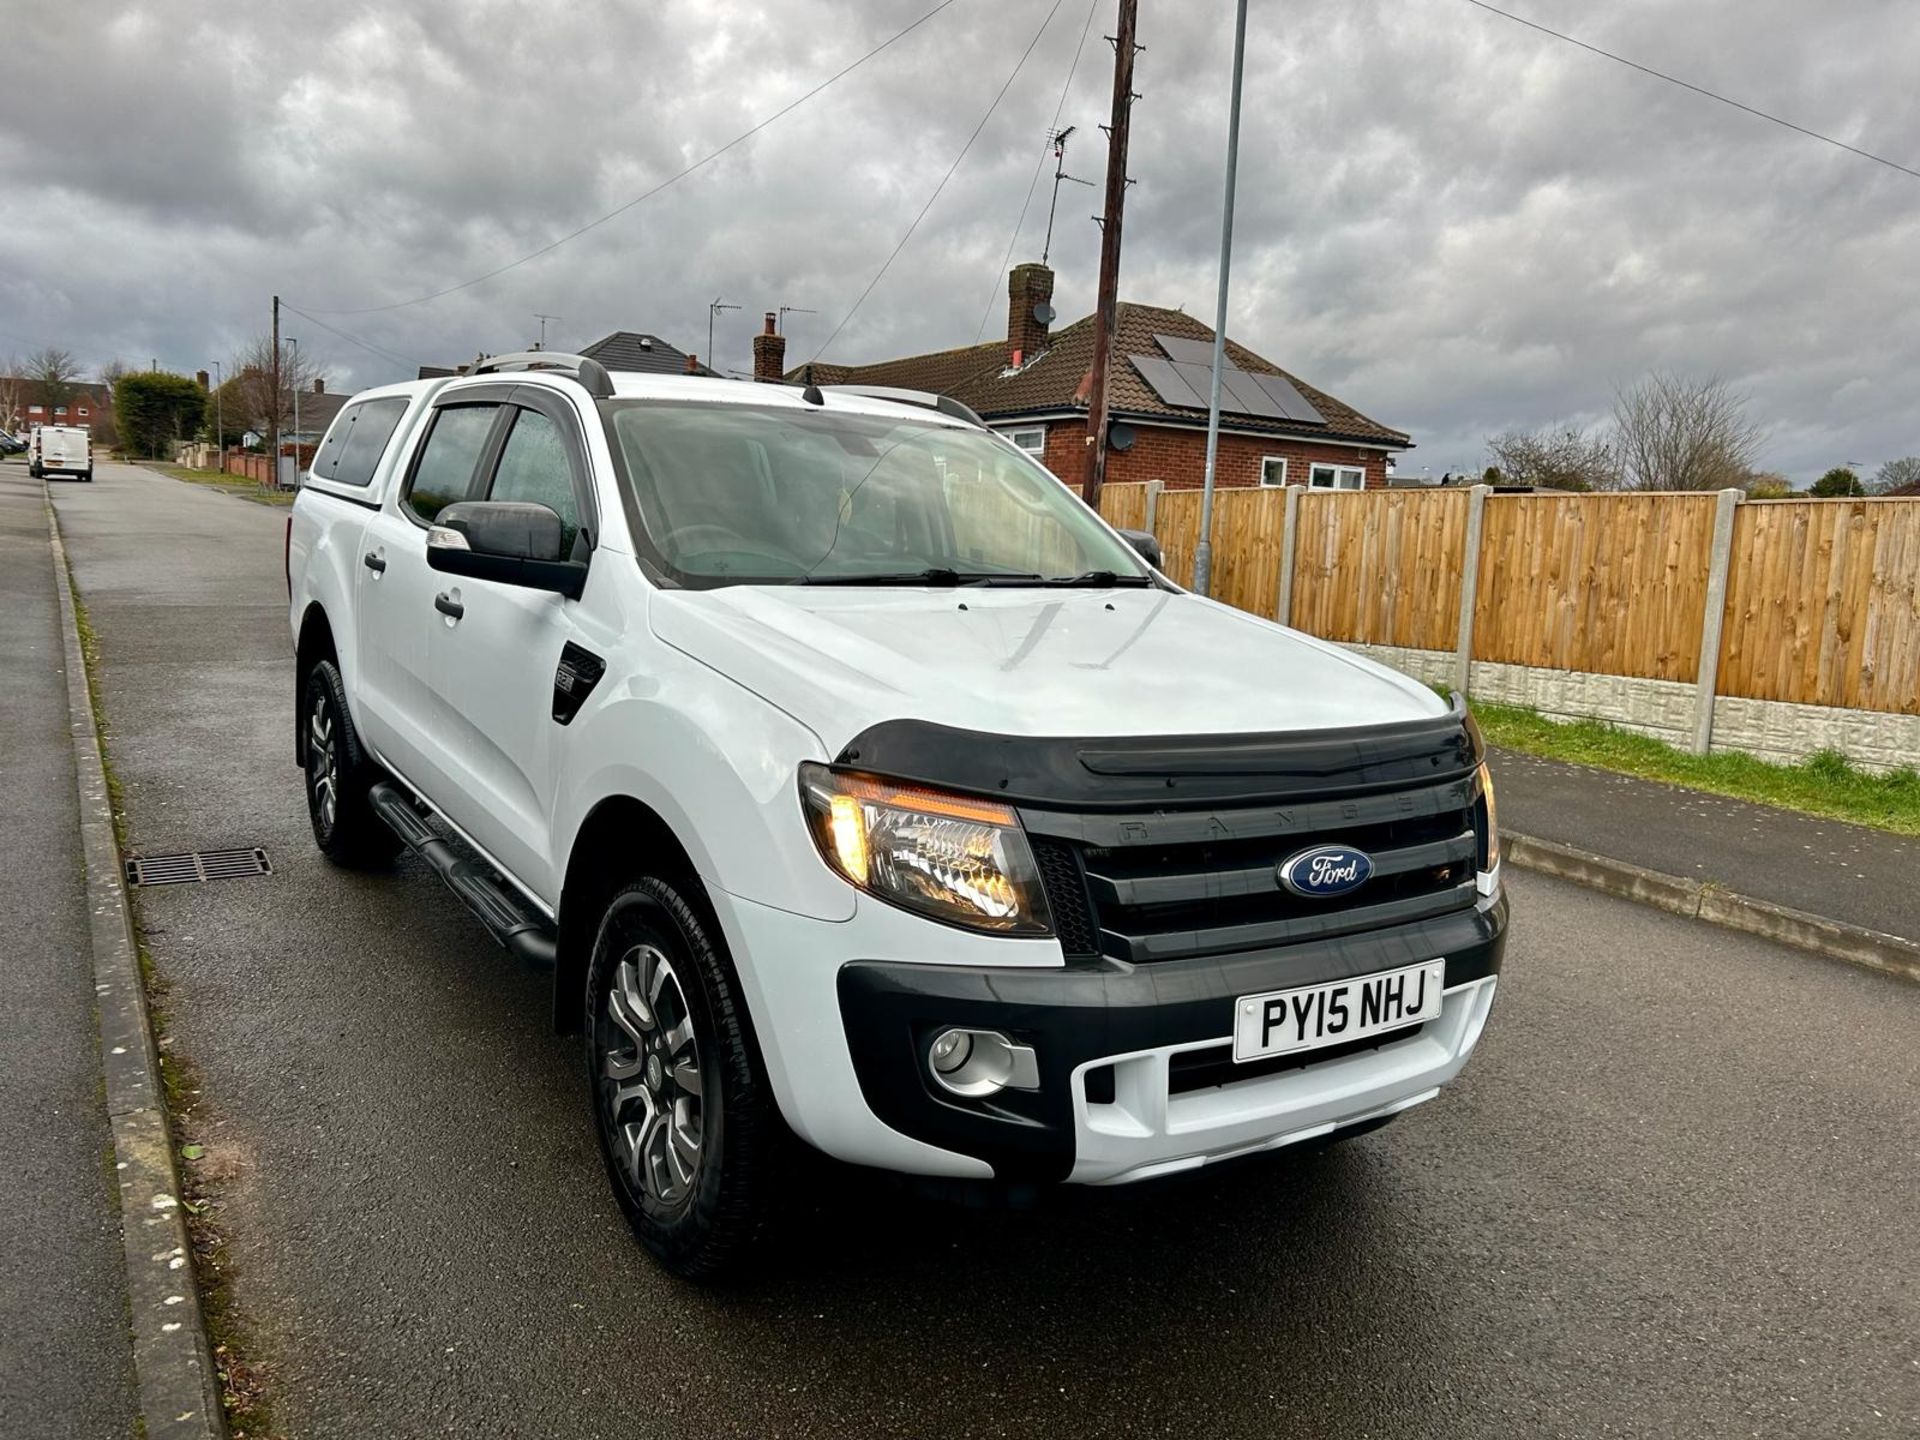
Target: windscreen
{"x":745,"y":494}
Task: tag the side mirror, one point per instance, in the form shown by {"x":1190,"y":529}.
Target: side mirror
{"x":509,"y":542}
{"x":1143,"y":542}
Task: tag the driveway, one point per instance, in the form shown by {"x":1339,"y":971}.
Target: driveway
{"x":1675,"y":1193}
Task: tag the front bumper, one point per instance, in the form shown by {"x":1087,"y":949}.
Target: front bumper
{"x":1107,"y":1035}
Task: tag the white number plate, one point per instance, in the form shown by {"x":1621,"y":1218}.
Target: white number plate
{"x":1333,"y":1014}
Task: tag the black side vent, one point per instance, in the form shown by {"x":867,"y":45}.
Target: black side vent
{"x":1066,"y":888}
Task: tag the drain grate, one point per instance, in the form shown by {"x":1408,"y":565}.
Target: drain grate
{"x":196,"y":866}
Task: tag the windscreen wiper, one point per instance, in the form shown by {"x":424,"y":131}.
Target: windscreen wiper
{"x":934,"y":575}
{"x":1095,"y":580}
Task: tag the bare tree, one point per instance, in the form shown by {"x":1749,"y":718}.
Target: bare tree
{"x":50,"y":376}
{"x":13,"y":394}
{"x":1564,"y":458}
{"x":248,"y":397}
{"x":1673,"y":433}
{"x":1902,"y":475}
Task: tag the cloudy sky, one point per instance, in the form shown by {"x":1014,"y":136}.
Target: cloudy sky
{"x":1454,"y":223}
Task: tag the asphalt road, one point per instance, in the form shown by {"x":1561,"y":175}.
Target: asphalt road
{"x":1675,"y":1193}
{"x":66,"y":1358}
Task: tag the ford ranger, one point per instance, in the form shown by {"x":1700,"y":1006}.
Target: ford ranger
{"x":859,"y":784}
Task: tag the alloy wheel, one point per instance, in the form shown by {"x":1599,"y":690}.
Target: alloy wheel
{"x":323,"y":761}
{"x":650,"y":1083}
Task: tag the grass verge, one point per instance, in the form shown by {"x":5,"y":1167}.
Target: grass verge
{"x":1823,"y":784}
{"x":242,"y":1384}
{"x":219,"y":480}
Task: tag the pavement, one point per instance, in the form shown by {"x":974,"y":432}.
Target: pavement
{"x":1673,"y":1194}
{"x":66,"y":1358}
{"x":1848,"y":873}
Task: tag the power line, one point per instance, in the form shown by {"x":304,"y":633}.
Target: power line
{"x":365,"y":345}
{"x":878,"y":275}
{"x":671,"y":180}
{"x":1053,"y":132}
{"x":1696,"y":89}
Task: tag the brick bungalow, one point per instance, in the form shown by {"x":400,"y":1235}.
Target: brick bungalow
{"x":1033,"y":385}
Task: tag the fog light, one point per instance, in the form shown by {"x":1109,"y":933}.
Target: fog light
{"x":977,"y":1063}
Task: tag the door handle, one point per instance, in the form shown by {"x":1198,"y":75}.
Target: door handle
{"x":448,"y":606}
{"x":374,"y":563}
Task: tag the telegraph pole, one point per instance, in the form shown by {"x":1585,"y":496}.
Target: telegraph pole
{"x":273,"y":407}
{"x":1107,"y":310}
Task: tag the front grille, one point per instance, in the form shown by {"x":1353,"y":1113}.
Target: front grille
{"x":1173,"y":884}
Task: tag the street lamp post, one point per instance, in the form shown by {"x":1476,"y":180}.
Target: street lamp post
{"x":219,"y":429}
{"x":1203,"y":551}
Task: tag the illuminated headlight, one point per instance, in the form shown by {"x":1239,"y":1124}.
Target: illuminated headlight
{"x":1486,"y":824}
{"x":955,"y":858}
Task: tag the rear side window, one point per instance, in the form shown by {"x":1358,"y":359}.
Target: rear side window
{"x":534,"y":467}
{"x":449,"y":463}
{"x":353,"y":447}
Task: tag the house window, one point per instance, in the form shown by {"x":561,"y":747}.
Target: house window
{"x":58,"y":411}
{"x":81,"y":411}
{"x":1273,"y":470}
{"x":1336,"y":477}
{"x":1030,"y":438}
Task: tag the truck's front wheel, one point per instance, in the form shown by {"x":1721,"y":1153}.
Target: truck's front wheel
{"x":688,"y":1130}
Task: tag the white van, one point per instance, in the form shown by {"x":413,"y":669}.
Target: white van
{"x":61,"y":450}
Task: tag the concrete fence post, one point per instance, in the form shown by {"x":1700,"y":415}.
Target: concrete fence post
{"x":1719,"y":562}
{"x":1289,"y":527}
{"x":1154,"y":487}
{"x":1469,"y":587}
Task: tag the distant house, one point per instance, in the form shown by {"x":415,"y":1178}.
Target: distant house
{"x":317,"y":409}
{"x":1033,"y":385}
{"x":87,"y":403}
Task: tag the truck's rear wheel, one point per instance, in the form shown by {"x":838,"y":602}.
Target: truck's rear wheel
{"x":688,"y":1129}
{"x":339,"y":774}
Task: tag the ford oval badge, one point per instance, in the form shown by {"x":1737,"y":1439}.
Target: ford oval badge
{"x":1326,"y":871}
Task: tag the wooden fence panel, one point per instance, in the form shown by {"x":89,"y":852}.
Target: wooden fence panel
{"x":1124,"y":506}
{"x":1823,"y":604}
{"x":1176,"y":525}
{"x":1610,"y":584}
{"x":1380,"y":567}
{"x":1248,"y":528}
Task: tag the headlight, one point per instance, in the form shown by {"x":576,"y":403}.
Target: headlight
{"x":1486,"y":819}
{"x":952,"y":857}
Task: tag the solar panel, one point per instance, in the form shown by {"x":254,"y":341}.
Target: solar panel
{"x":1192,"y":352}
{"x":1293,"y":405}
{"x":1185,"y":379}
{"x":1167,"y":382}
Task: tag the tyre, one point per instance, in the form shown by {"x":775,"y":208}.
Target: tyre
{"x":87,"y":475}
{"x":35,"y":472}
{"x":688,"y":1128}
{"x":339,"y":774}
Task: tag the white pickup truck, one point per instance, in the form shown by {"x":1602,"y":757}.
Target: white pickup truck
{"x":859,"y":784}
{"x":60,"y":450}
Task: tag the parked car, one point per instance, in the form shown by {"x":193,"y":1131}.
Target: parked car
{"x":11,"y":444}
{"x":61,"y":450}
{"x":859,"y":784}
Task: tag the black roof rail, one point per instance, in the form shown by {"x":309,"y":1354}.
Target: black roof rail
{"x":925,"y":399}
{"x":590,"y":373}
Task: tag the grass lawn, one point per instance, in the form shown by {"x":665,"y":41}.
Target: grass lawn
{"x":1822,"y":784}
{"x":219,"y":480}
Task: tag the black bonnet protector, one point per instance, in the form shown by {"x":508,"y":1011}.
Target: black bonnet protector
{"x":1179,"y":770}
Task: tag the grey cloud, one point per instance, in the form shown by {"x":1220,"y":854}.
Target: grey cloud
{"x":1454,"y":223}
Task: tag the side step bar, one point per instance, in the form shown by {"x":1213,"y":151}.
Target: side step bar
{"x":497,"y":907}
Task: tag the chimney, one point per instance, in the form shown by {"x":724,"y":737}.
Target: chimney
{"x":319,"y":386}
{"x":202,"y":379}
{"x":693,"y":364}
{"x":1029,"y":296}
{"x":770,"y":353}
